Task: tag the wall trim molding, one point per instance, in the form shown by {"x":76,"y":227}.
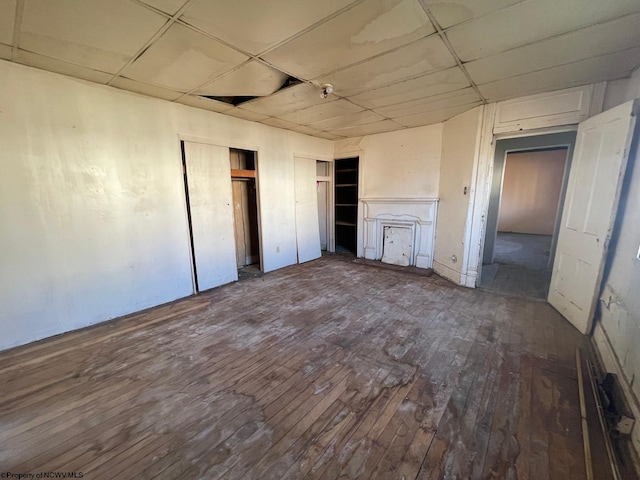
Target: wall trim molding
{"x":447,"y":272}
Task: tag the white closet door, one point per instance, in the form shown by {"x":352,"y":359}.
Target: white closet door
{"x":211,"y":205}
{"x":591,"y":204}
{"x":307,"y":228}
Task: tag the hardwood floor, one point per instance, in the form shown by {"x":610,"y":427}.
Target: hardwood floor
{"x":324,"y":370}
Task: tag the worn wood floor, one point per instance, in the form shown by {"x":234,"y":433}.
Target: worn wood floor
{"x":324,"y":370}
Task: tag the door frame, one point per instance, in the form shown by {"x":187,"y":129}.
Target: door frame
{"x":239,"y":146}
{"x":520,"y":144}
{"x":482,"y":175}
{"x":328,"y":180}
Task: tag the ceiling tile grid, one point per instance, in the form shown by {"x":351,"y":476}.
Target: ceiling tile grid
{"x":182,"y":60}
{"x":368,"y":29}
{"x":393,"y":63}
{"x":254,"y":26}
{"x":91,"y":33}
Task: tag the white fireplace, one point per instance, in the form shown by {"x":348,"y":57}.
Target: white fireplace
{"x":409,"y":226}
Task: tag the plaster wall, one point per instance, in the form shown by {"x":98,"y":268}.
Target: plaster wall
{"x":93,"y":218}
{"x":460,"y":144}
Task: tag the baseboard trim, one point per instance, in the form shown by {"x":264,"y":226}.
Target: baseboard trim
{"x":447,"y":272}
{"x":608,"y":360}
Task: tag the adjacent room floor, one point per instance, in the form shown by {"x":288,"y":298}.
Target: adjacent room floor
{"x":520,"y":265}
{"x":327,"y":369}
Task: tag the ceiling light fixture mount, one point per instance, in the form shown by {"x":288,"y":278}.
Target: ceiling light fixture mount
{"x":327,"y":89}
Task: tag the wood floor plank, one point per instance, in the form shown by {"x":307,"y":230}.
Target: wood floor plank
{"x":329,"y":369}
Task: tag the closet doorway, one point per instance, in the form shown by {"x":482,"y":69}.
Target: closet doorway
{"x":245,"y":208}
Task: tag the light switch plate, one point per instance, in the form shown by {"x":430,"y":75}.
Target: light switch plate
{"x":638,"y":254}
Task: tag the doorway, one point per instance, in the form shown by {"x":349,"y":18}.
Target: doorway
{"x":245,"y":211}
{"x":527,"y":192}
{"x":323,"y":186}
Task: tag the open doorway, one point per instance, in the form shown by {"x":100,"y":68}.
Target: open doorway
{"x":323,"y":186}
{"x":245,"y":212}
{"x":527,"y":192}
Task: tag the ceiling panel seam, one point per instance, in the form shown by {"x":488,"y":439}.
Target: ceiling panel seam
{"x":227,"y":72}
{"x":170,"y":21}
{"x":484,"y":15}
{"x":551,"y":37}
{"x":213,"y":37}
{"x":17,"y":26}
{"x":378,"y":55}
{"x":558,"y":65}
{"x":256,"y":56}
{"x":450,"y":48}
{"x":311,"y":27}
{"x":152,"y":8}
{"x":217,"y":77}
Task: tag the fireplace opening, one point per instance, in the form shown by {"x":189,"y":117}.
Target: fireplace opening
{"x":396,"y":246}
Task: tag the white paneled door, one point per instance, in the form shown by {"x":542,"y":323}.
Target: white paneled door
{"x":307,"y":228}
{"x":595,"y":181}
{"x":208,"y":182}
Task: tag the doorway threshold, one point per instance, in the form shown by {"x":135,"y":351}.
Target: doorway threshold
{"x":249,"y":271}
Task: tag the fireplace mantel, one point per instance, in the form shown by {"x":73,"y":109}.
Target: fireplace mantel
{"x":418,"y":214}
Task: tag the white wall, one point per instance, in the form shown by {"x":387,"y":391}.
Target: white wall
{"x":617,"y":329}
{"x":92,"y":207}
{"x":619,"y":91}
{"x":460,"y":144}
{"x":401,"y":164}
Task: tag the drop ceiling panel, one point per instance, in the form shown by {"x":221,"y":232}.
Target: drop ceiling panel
{"x":245,"y":114}
{"x":92,"y":33}
{"x":531,"y":21}
{"x":370,"y":28}
{"x":204,"y":103}
{"x":322,"y":112}
{"x":426,"y":55}
{"x":183,"y":59}
{"x":600,"y":39}
{"x":287,"y":100}
{"x":350,"y":119}
{"x":144,"y":88}
{"x":306,"y":130}
{"x":5,"y":52}
{"x":279,"y":123}
{"x":64,"y":68}
{"x":368,"y":129}
{"x":253,"y":79}
{"x":7,"y":20}
{"x":421,"y":87}
{"x":256,"y":25}
{"x":167,"y":6}
{"x":607,"y":67}
{"x":448,"y":13}
{"x":329,"y":136}
{"x":436,"y":116}
{"x":429,"y":104}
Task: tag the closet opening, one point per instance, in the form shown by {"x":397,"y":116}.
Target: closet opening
{"x":346,"y":205}
{"x":245,"y":209}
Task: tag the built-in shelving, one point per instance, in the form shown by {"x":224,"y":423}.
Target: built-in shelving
{"x":346,"y":203}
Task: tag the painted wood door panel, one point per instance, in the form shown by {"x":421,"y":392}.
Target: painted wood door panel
{"x":307,"y":227}
{"x":211,"y":204}
{"x":595,"y":181}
